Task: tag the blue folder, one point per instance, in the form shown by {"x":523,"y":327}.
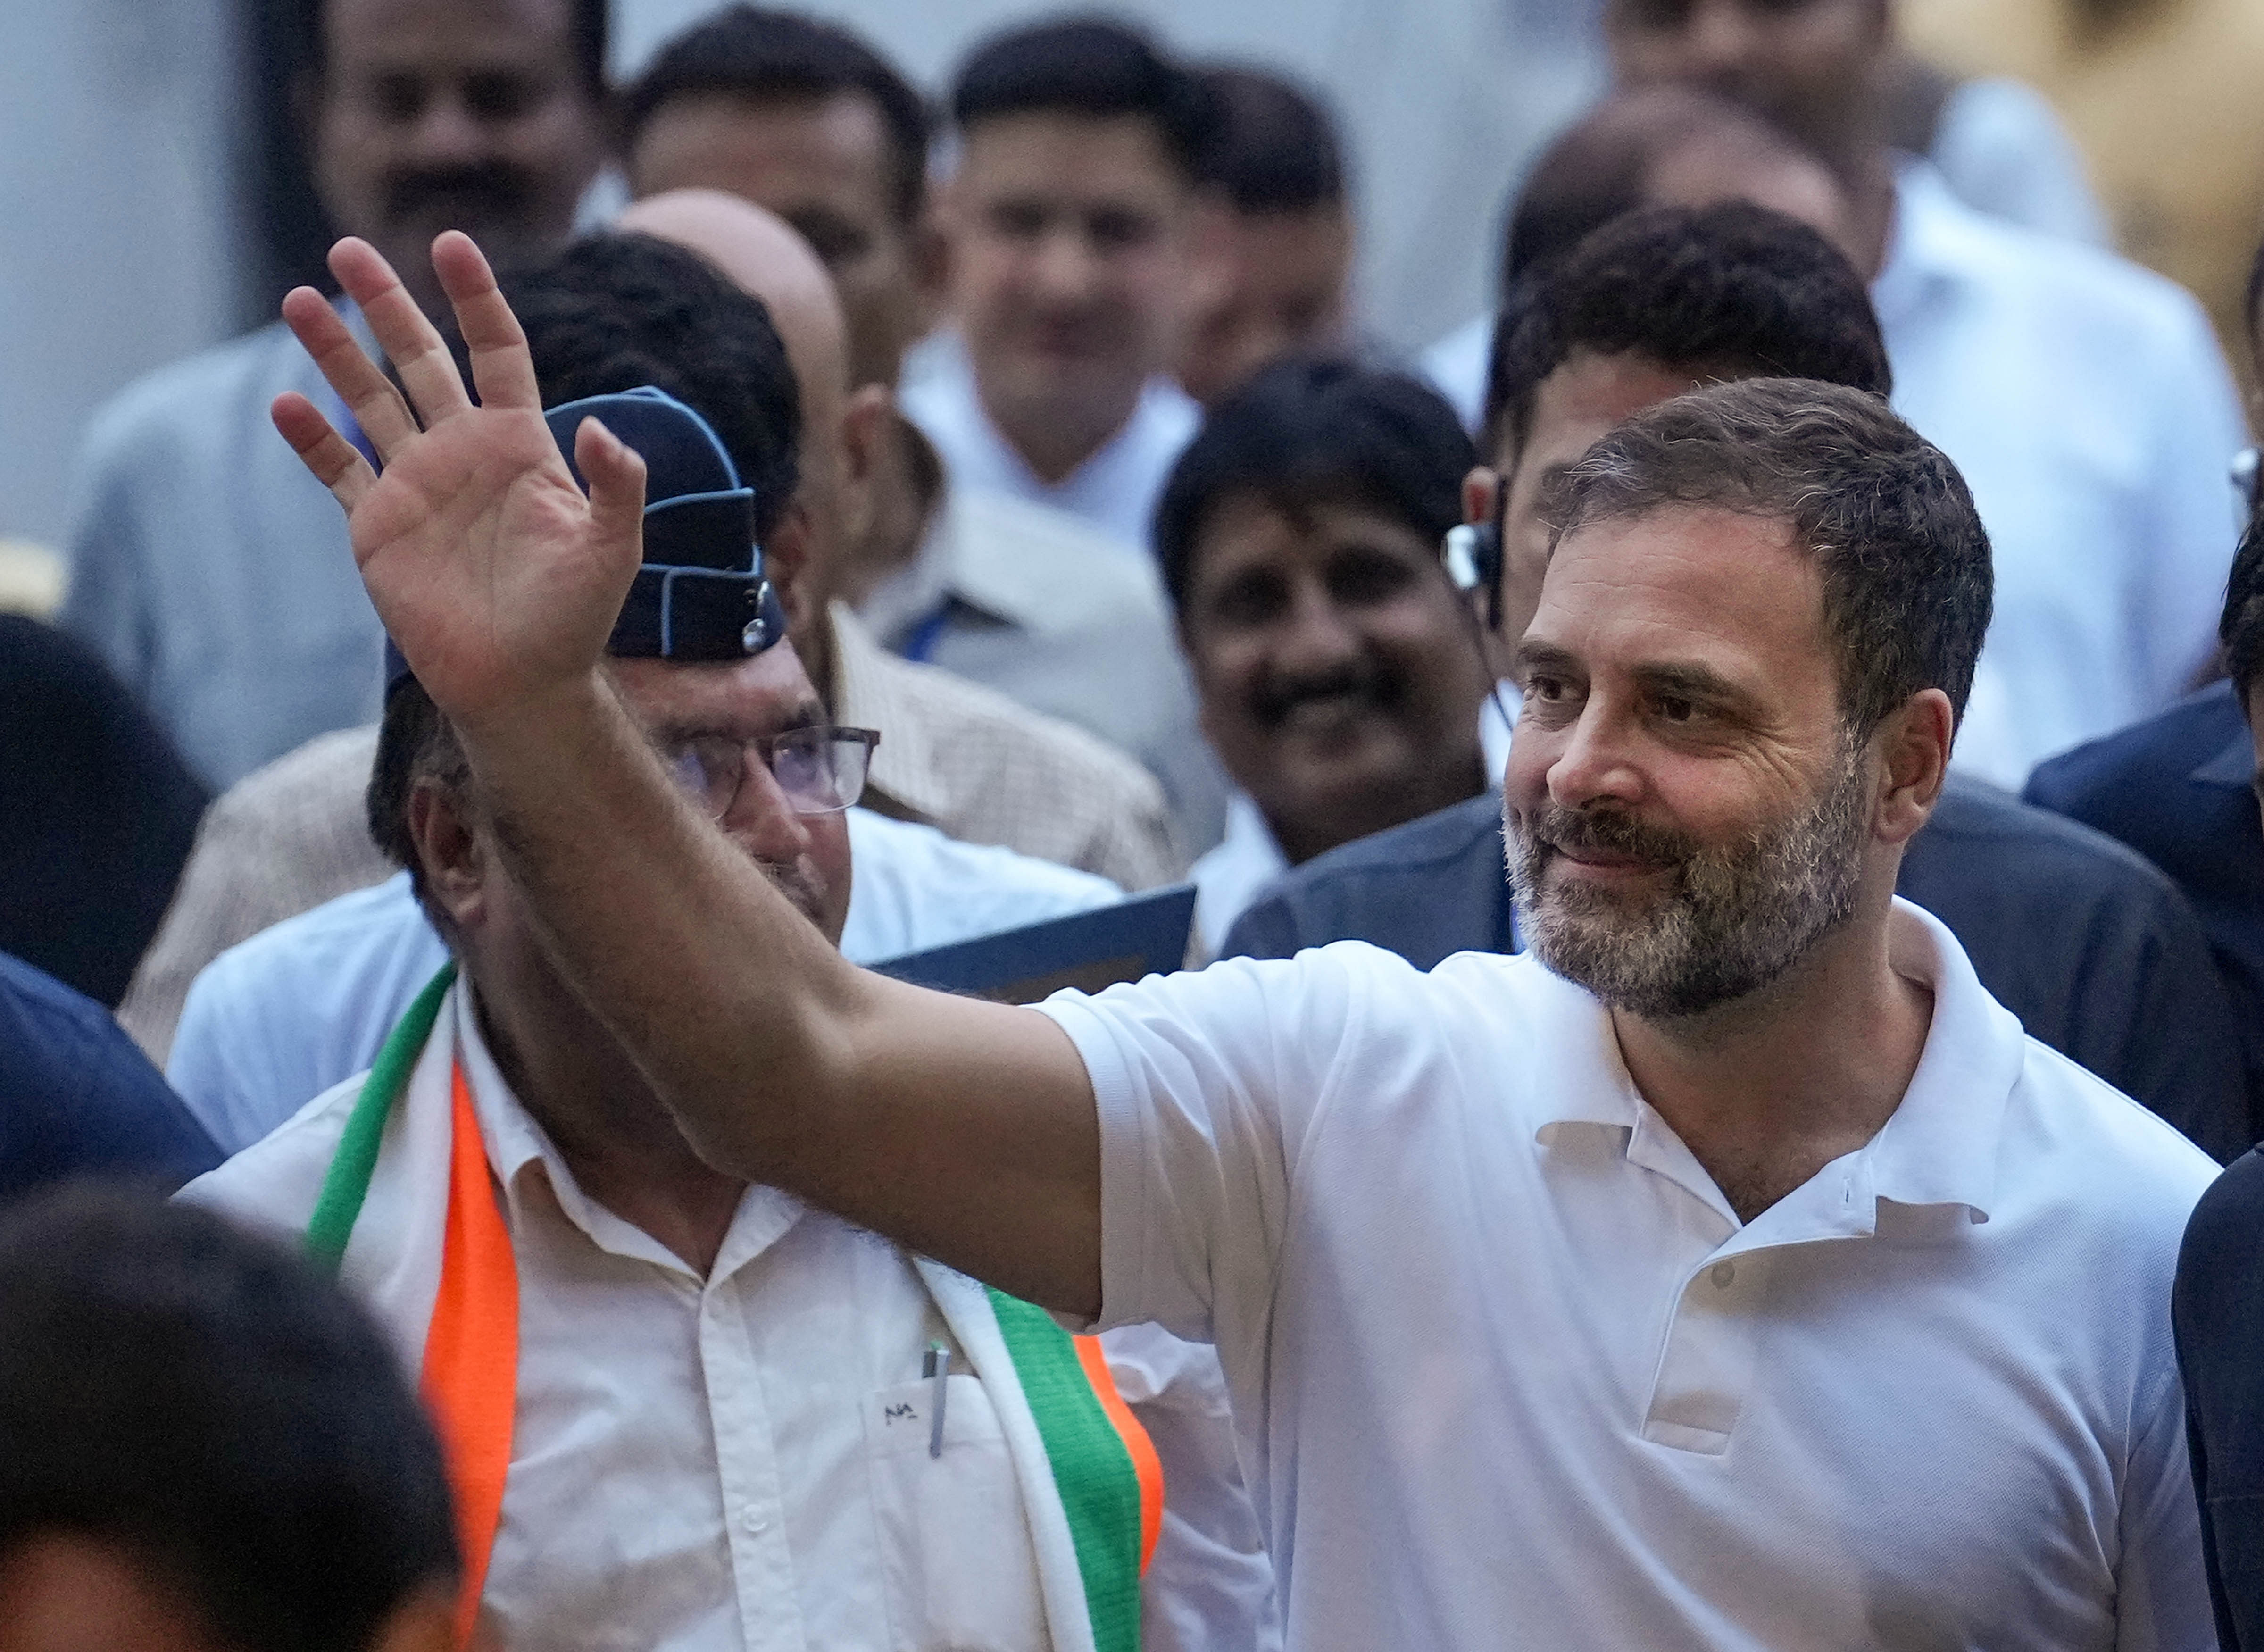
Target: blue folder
{"x":1146,"y":935}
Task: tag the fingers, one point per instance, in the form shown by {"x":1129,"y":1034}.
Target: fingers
{"x":333,"y":460}
{"x":616,"y":477}
{"x":377,"y":407}
{"x":412,"y":344}
{"x":502,"y":370}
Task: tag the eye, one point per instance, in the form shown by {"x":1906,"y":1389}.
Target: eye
{"x":1018,"y":220}
{"x":1674,"y":708}
{"x":495,"y":95}
{"x":397,"y":97}
{"x":1117,"y":231}
{"x":1250,"y":599}
{"x":1543,"y":689}
{"x":1362,"y":577}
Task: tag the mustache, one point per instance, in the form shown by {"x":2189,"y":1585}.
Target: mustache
{"x":1276,"y":697}
{"x":1610,"y":831}
{"x":484,"y":190}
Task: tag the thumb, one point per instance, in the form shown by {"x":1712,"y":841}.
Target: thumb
{"x":616,"y":477}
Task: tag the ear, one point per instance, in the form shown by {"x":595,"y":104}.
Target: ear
{"x":1481,"y":495}
{"x":786,"y":563}
{"x":448,"y":852}
{"x":867,"y":422}
{"x":1913,"y":747}
{"x":425,"y":1622}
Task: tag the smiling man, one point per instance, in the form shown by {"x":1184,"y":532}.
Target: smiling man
{"x":1773,"y":1291}
{"x":1067,"y":225}
{"x":204,"y":569}
{"x":1338,"y":676}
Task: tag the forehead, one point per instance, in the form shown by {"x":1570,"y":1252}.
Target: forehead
{"x":520,"y":31}
{"x":1696,"y":587}
{"x":1247,"y":528}
{"x":778,"y":152}
{"x":1069,"y":156}
{"x":759,"y":695}
{"x":1588,"y":396}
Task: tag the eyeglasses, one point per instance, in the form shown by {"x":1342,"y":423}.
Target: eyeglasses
{"x":821,"y":770}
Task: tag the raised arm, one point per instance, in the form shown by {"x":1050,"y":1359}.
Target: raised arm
{"x":962,"y":1129}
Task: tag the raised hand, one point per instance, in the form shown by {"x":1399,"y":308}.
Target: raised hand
{"x":497,"y":578}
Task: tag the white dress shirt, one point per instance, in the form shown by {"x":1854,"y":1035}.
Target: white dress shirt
{"x":741,"y":1463}
{"x":2087,"y":405}
{"x":1232,"y":874}
{"x":1509,"y":1370}
{"x":279,"y":1019}
{"x":1115,"y":489}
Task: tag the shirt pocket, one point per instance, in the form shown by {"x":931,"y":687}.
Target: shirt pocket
{"x":956,"y":1561}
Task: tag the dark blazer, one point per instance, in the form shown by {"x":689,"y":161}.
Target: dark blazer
{"x":77,"y":1097}
{"x":2217,"y":1311}
{"x":2175,"y":787}
{"x":2090,"y":946}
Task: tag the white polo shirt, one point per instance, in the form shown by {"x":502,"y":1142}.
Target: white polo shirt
{"x":1509,"y":1372}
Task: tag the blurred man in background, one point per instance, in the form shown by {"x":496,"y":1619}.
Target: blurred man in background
{"x":1341,"y":679}
{"x":2095,"y":951}
{"x":1273,"y":244}
{"x":204,"y":1446}
{"x":204,"y":570}
{"x":2084,"y":399}
{"x":806,"y":119}
{"x":2178,"y":788}
{"x":1067,"y":223}
{"x":2218,"y":1307}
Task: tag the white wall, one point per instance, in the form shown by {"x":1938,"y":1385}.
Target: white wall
{"x":118,"y":228}
{"x":1443,"y":101}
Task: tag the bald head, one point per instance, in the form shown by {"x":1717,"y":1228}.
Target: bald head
{"x":763,"y":253}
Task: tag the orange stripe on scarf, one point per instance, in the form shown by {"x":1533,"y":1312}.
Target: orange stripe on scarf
{"x":471,"y":1353}
{"x":1145,"y":1464}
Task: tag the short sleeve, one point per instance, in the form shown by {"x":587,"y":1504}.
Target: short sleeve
{"x":1208,"y":1086}
{"x":2162,"y":1598}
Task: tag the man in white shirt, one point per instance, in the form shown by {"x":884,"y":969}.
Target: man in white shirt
{"x":1066,"y":224}
{"x":736,"y":1421}
{"x":306,"y":1004}
{"x":803,"y":118}
{"x":2084,"y":399}
{"x":1338,"y":671}
{"x":1728,"y":1272}
{"x":204,"y":569}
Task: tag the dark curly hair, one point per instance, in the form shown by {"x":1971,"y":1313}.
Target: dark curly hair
{"x":1733,"y":290}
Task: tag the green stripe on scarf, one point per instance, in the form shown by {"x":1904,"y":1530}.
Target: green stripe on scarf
{"x":347,"y":1184}
{"x":1100,"y":1488}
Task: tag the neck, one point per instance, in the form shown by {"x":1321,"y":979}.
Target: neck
{"x":1055,"y":439}
{"x":616,"y":1138}
{"x":1870,"y":179}
{"x":1767,"y":1090}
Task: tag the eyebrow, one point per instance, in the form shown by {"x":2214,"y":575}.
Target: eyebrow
{"x":1680,"y":681}
{"x":1531,"y":656}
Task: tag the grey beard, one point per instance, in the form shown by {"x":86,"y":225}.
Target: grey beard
{"x":1734,"y":921}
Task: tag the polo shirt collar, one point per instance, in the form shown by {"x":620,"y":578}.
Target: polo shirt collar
{"x":1940,"y":1146}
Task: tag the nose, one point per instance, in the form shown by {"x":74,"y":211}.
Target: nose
{"x":1317,"y":635}
{"x":1719,"y":37}
{"x":448,"y":132}
{"x":763,"y":821}
{"x":1066,"y":266}
{"x":1594,"y":761}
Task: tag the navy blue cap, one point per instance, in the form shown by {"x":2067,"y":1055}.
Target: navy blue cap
{"x":700,"y":594}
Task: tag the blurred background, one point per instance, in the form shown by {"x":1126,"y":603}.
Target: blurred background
{"x":128,"y":126}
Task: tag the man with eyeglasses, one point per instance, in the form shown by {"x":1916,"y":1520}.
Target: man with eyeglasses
{"x":293,"y":1010}
{"x":794,"y":1434}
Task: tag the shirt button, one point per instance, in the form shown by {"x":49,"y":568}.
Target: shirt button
{"x":1725,"y":1274}
{"x":752,"y":1518}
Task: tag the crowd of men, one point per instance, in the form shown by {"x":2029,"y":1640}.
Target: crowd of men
{"x":1723,"y":803}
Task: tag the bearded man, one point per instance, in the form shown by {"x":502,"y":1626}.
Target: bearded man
{"x":1729,"y":1271}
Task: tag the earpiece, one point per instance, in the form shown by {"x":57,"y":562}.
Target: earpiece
{"x":1472,"y":554}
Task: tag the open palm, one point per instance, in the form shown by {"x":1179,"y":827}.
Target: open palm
{"x":496,"y":577}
